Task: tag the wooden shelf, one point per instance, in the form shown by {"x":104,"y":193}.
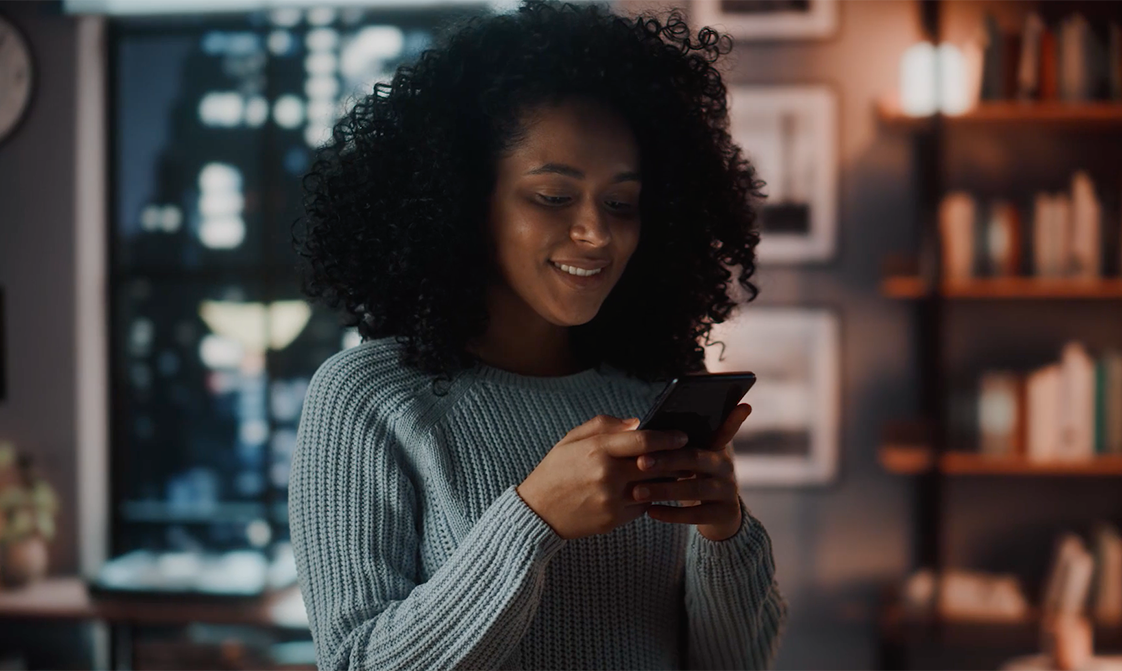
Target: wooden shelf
{"x":904,"y":287}
{"x":915,"y":459}
{"x":1095,"y":114}
{"x":969,"y":463}
{"x":894,"y":621}
{"x":1007,"y":287}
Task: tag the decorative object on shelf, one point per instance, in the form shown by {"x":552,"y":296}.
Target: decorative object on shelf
{"x":28,"y":505}
{"x":792,"y":436}
{"x":767,"y":19}
{"x":790,"y":134}
{"x":962,"y":595}
{"x":17,"y":78}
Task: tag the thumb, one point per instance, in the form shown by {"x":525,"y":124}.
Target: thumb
{"x":601,"y":424}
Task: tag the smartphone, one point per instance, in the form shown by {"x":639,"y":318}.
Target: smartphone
{"x":698,"y":405}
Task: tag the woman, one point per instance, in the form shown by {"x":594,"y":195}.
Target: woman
{"x":531,"y":228}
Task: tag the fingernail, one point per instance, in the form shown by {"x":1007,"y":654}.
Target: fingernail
{"x":646,"y":461}
{"x":681,"y":438}
{"x":642,"y":492}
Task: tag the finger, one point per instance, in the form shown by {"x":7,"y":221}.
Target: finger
{"x":635,"y":443}
{"x":691,"y":460}
{"x":698,"y":488}
{"x":600,"y":424}
{"x":732,"y":424}
{"x":706,"y":513}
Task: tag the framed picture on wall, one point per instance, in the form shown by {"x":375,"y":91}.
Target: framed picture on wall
{"x":791,"y":437}
{"x":768,"y":19}
{"x":789,"y":133}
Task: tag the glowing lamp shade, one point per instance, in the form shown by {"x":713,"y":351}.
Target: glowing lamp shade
{"x":933,"y":80}
{"x":954,"y":95}
{"x":257,"y":326}
{"x":917,"y":80}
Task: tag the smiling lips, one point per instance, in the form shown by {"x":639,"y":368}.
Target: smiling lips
{"x":586,"y":275}
{"x":576,"y":270}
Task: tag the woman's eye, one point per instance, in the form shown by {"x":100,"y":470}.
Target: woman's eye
{"x":553,"y":200}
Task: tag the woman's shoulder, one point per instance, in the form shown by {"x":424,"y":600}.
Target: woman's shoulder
{"x":373,"y":371}
{"x":365,"y":362}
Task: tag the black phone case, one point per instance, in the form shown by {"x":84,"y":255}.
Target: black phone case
{"x":698,"y":405}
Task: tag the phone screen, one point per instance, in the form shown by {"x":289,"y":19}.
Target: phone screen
{"x":698,"y":405}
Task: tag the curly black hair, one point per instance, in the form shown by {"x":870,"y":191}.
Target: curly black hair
{"x":395,"y":202}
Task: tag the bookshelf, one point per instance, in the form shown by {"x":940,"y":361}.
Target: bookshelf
{"x":1076,"y":115}
{"x":910,"y":287}
{"x":912,"y":460}
{"x":978,"y":633}
{"x":921,"y":448}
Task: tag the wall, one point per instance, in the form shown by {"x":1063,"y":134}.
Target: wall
{"x":37,"y":265}
{"x":836,"y":546}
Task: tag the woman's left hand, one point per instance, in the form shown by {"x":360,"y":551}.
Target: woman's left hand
{"x":710,"y":496}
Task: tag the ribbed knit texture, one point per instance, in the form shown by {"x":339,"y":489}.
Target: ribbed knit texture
{"x":414,"y":551}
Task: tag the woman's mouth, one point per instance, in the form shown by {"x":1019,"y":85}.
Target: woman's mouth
{"x":578,"y":277}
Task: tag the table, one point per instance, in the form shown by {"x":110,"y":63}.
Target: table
{"x":65,"y":598}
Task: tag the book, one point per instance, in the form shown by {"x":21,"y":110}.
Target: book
{"x":993,"y":54}
{"x":1100,"y":406}
{"x":1114,"y":61}
{"x":1085,"y":260}
{"x":1010,"y":56}
{"x":1050,"y":235}
{"x":1095,"y":59}
{"x":1049,"y":64}
{"x":1003,"y":239}
{"x":1077,"y":403}
{"x":956,"y":229}
{"x":1069,"y":578}
{"x":1028,"y":67}
{"x":1073,"y":58}
{"x":1042,"y":407}
{"x":1112,"y":401}
{"x":976,"y":595}
{"x":1106,"y":599}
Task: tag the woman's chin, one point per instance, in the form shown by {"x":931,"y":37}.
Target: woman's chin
{"x":575,"y":316}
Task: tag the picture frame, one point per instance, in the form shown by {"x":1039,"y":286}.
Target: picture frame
{"x":789,"y":134}
{"x":792,"y":436}
{"x":760,"y":20}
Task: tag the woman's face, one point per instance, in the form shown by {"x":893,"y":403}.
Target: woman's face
{"x":568,"y":194}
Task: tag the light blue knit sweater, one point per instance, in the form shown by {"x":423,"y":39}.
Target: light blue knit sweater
{"x":414,"y":551}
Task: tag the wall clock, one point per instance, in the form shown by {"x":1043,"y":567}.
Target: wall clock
{"x":17,"y":77}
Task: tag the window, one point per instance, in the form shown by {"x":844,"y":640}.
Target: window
{"x":213,"y":122}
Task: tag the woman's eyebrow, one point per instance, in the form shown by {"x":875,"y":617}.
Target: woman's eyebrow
{"x":570,"y":171}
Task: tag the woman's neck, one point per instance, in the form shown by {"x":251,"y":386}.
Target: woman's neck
{"x":520,"y":341}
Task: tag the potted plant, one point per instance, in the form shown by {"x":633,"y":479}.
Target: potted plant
{"x":28,"y":505}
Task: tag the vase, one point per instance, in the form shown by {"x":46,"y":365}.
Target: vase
{"x":23,"y":561}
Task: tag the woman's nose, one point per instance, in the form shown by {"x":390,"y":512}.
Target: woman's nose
{"x":591,"y":226}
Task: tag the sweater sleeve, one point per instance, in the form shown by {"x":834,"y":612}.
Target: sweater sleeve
{"x":355,"y":535}
{"x":734,"y":611}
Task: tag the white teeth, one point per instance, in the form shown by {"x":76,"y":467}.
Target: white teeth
{"x":577,"y":271}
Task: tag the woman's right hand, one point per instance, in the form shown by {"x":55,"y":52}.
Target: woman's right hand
{"x":583,"y":485}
